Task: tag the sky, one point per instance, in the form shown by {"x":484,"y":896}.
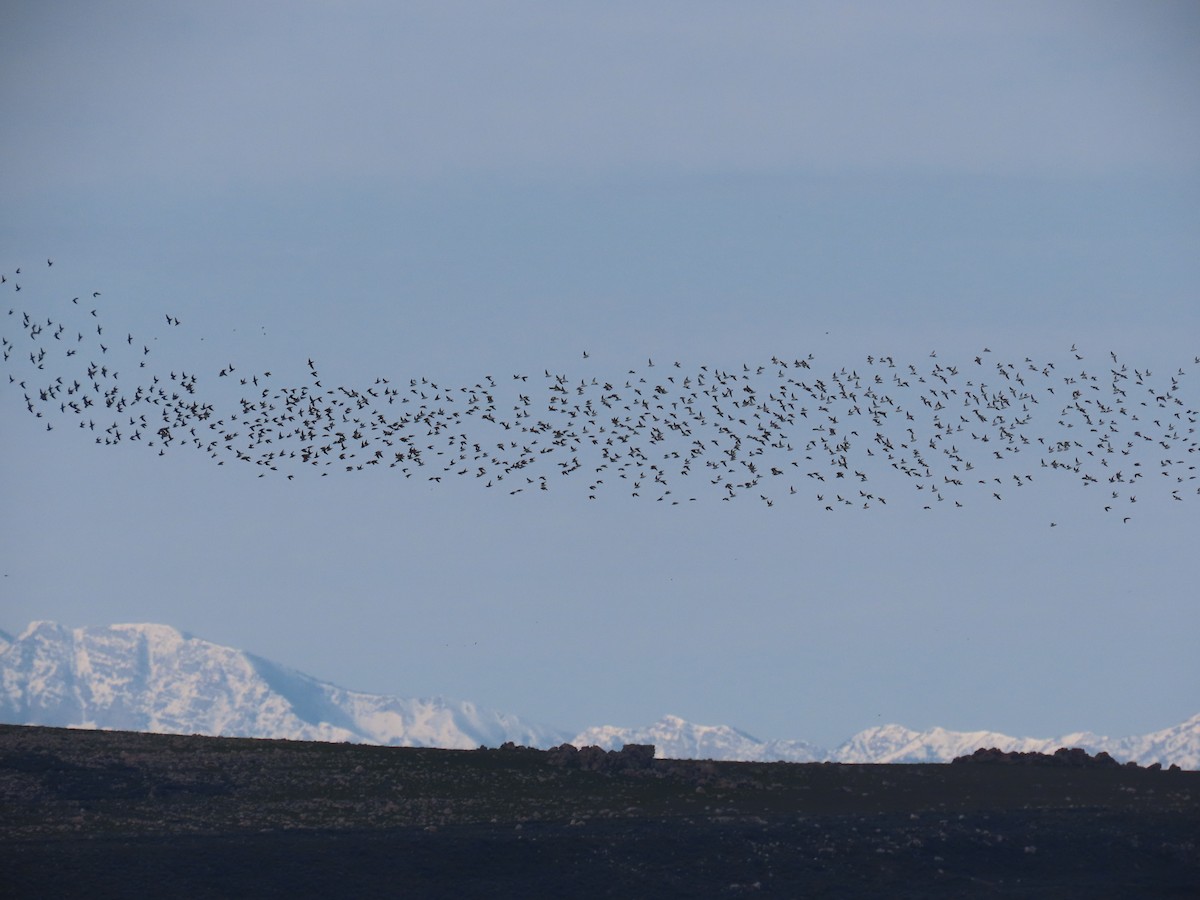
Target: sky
{"x":450,"y":191}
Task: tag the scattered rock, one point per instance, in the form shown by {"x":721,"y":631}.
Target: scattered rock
{"x":630,"y":758}
{"x":1075,"y":757}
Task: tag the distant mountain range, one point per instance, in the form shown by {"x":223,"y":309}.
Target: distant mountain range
{"x":158,"y":679}
{"x":679,"y":739}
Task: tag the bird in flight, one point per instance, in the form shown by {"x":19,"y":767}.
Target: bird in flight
{"x":943,"y":434}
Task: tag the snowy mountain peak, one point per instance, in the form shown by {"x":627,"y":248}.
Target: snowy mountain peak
{"x":41,"y":626}
{"x":148,"y":677}
{"x":676,"y":738}
{"x":152,"y":630}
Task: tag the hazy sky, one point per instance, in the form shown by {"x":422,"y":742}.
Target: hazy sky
{"x":453,"y":190}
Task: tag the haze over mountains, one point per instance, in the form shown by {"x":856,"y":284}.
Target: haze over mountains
{"x":147,"y":677}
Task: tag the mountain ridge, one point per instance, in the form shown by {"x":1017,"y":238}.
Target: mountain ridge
{"x":149,"y":677}
{"x":157,"y":678}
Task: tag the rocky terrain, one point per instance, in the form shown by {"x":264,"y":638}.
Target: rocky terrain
{"x":112,"y":814}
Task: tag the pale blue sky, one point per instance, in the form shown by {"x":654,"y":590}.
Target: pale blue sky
{"x":451,"y":190}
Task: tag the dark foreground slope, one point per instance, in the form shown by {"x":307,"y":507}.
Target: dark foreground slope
{"x":120,"y":814}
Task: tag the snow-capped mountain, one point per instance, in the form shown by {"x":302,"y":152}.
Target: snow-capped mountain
{"x":679,"y":739}
{"x":894,"y":743}
{"x":1179,"y":744}
{"x":676,"y":738}
{"x":156,"y":678}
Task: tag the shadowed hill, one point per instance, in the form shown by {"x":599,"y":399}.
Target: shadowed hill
{"x":116,"y":814}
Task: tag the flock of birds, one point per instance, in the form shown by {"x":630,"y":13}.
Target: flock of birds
{"x":874,"y":433}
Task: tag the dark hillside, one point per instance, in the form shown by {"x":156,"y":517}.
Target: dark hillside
{"x":124,"y":814}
